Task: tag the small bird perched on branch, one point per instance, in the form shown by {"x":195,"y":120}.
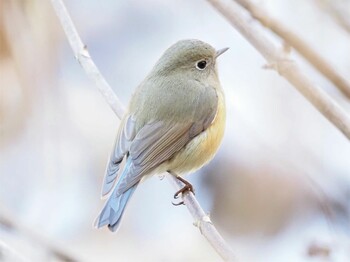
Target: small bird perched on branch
{"x":174,"y":123}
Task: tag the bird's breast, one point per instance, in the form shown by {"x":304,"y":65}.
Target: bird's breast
{"x":202,"y":148}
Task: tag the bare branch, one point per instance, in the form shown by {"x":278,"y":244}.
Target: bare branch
{"x":279,"y":61}
{"x":82,"y":55}
{"x":201,"y":219}
{"x":203,"y":222}
{"x":295,"y":41}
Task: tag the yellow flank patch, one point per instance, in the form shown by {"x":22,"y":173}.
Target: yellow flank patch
{"x":201,"y":149}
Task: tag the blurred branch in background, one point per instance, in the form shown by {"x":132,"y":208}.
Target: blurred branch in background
{"x":27,"y":49}
{"x":8,"y":254}
{"x":292,"y":39}
{"x":267,"y":202}
{"x":15,"y":70}
{"x":337,"y":10}
{"x":202,"y":220}
{"x":8,"y":224}
{"x":278,"y":60}
{"x":20,"y":67}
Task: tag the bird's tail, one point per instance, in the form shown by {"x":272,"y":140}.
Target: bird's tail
{"x":113,"y":210}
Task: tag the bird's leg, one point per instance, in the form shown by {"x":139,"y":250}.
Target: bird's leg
{"x":188,"y":187}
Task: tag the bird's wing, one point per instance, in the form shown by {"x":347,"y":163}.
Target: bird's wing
{"x":157,"y":141}
{"x":126,"y":134}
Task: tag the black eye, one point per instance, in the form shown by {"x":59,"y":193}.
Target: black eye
{"x":201,"y":64}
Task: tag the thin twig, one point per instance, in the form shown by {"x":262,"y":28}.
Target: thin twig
{"x":279,"y":61}
{"x":82,"y":55}
{"x":205,"y":225}
{"x":202,"y":220}
{"x":301,"y":46}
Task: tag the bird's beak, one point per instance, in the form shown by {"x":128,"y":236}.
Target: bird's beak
{"x":221,"y":51}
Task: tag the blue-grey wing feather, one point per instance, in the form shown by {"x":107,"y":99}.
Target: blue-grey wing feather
{"x":158,"y":140}
{"x":124,"y":138}
{"x":147,"y":152}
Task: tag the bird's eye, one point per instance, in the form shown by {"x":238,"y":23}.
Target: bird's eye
{"x":201,"y":64}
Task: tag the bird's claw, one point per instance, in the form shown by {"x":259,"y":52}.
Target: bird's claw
{"x":178,"y":204}
{"x":188,"y":187}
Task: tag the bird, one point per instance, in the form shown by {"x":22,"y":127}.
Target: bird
{"x":174,"y":123}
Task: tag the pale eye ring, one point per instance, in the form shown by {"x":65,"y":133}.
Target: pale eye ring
{"x":201,"y":65}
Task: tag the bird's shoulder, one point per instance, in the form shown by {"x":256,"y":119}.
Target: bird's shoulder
{"x":171,"y":99}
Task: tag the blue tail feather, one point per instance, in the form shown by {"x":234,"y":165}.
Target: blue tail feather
{"x":114,"y":208}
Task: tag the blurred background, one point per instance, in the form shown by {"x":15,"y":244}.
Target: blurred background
{"x":278,"y":189}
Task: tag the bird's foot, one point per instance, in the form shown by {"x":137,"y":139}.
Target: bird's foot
{"x":187,"y":188}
